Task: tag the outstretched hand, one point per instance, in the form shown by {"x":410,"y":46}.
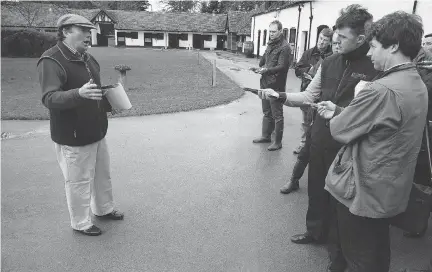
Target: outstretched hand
{"x":326,"y":109}
{"x":267,"y":94}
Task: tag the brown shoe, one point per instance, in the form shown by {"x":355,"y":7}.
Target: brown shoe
{"x":92,"y":231}
{"x":261,"y":140}
{"x":114,"y":215}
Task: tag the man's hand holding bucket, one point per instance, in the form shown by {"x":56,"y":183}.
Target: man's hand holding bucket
{"x":90,"y":91}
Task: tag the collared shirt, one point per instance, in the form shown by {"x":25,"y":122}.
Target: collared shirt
{"x":75,"y":52}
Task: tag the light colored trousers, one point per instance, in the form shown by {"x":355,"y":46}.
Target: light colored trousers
{"x":307,"y":113}
{"x":86,"y":170}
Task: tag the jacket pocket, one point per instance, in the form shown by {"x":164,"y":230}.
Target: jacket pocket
{"x":340,"y":177}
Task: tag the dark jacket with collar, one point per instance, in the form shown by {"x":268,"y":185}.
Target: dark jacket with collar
{"x":339,"y":76}
{"x":276,"y":59}
{"x":74,"y":121}
{"x":309,"y":63}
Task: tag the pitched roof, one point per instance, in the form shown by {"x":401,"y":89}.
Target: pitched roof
{"x":130,"y":20}
{"x":286,"y":5}
{"x":240,"y":22}
{"x":170,"y":21}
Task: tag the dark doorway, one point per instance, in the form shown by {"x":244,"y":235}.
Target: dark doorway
{"x":259,"y":43}
{"x":198,"y":41}
{"x":102,"y":40}
{"x":106,"y":31}
{"x":319,"y":29}
{"x":148,"y":39}
{"x":220,"y":42}
{"x":173,"y":40}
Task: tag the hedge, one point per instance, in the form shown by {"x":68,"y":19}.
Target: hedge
{"x":25,"y":43}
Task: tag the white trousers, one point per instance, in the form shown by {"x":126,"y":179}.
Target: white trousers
{"x":307,"y":115}
{"x":86,"y":170}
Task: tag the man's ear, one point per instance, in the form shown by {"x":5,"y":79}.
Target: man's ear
{"x":361,"y":39}
{"x":394,"y":48}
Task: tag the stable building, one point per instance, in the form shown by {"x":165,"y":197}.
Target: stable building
{"x":170,"y":30}
{"x":302,"y":21}
{"x":146,"y":29}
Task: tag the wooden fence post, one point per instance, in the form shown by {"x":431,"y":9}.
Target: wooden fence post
{"x":214,"y":73}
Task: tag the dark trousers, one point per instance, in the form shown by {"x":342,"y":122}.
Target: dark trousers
{"x":317,"y":216}
{"x":302,"y":159}
{"x":273,"y":117}
{"x":362,"y":244}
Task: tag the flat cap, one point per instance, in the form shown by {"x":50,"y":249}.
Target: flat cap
{"x":74,"y":19}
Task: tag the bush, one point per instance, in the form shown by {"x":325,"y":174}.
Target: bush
{"x":25,"y":43}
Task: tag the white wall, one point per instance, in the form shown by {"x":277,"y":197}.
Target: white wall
{"x":160,"y":42}
{"x":325,"y":12}
{"x":94,"y":36}
{"x":136,"y":42}
{"x":212,"y":43}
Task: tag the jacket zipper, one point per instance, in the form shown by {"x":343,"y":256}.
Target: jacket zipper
{"x":91,"y":76}
{"x":347,"y":63}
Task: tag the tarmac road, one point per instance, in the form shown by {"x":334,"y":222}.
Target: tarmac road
{"x":198,"y":196}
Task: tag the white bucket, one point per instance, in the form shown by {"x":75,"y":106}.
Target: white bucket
{"x":117,"y":96}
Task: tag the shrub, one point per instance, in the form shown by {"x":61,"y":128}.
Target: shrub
{"x":25,"y":43}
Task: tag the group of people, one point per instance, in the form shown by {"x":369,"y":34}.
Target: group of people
{"x":364,"y":108}
{"x":364,"y":100}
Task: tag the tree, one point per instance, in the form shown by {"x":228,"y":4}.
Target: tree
{"x":29,"y":11}
{"x":179,"y":6}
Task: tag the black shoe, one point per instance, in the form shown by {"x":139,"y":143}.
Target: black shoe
{"x":92,"y":231}
{"x":305,"y":238}
{"x":291,"y":186}
{"x":262,"y":140}
{"x":114,"y":215}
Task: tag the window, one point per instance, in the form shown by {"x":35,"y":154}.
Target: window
{"x":285,"y":33}
{"x":265,"y":37}
{"x":158,"y":36}
{"x":207,"y":38}
{"x":133,"y":35}
{"x":292,"y":36}
{"x":183,"y":37}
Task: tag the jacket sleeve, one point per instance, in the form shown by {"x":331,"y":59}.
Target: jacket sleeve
{"x":302,"y":66}
{"x":51,"y":79}
{"x":283,"y":61}
{"x":371,"y":108}
{"x":310,"y":95}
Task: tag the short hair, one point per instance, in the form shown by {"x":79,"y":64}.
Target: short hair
{"x":355,"y":17}
{"x":327,"y":32}
{"x":60,"y":35}
{"x":278,"y":23}
{"x":400,"y":28}
{"x":428,"y":35}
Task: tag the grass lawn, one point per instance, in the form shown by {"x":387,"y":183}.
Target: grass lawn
{"x":159,"y":82}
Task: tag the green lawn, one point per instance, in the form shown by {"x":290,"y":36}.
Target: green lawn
{"x":159,"y":82}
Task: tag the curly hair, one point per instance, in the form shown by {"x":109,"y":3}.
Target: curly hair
{"x":355,"y":17}
{"x":400,"y":28}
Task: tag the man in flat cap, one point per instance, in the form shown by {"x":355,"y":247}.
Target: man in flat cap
{"x":70,"y":82}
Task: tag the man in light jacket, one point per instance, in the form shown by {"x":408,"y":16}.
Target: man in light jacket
{"x":381,"y":129}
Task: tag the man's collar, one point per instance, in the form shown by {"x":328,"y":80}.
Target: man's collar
{"x":69,"y":54}
{"x":357,"y":53}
